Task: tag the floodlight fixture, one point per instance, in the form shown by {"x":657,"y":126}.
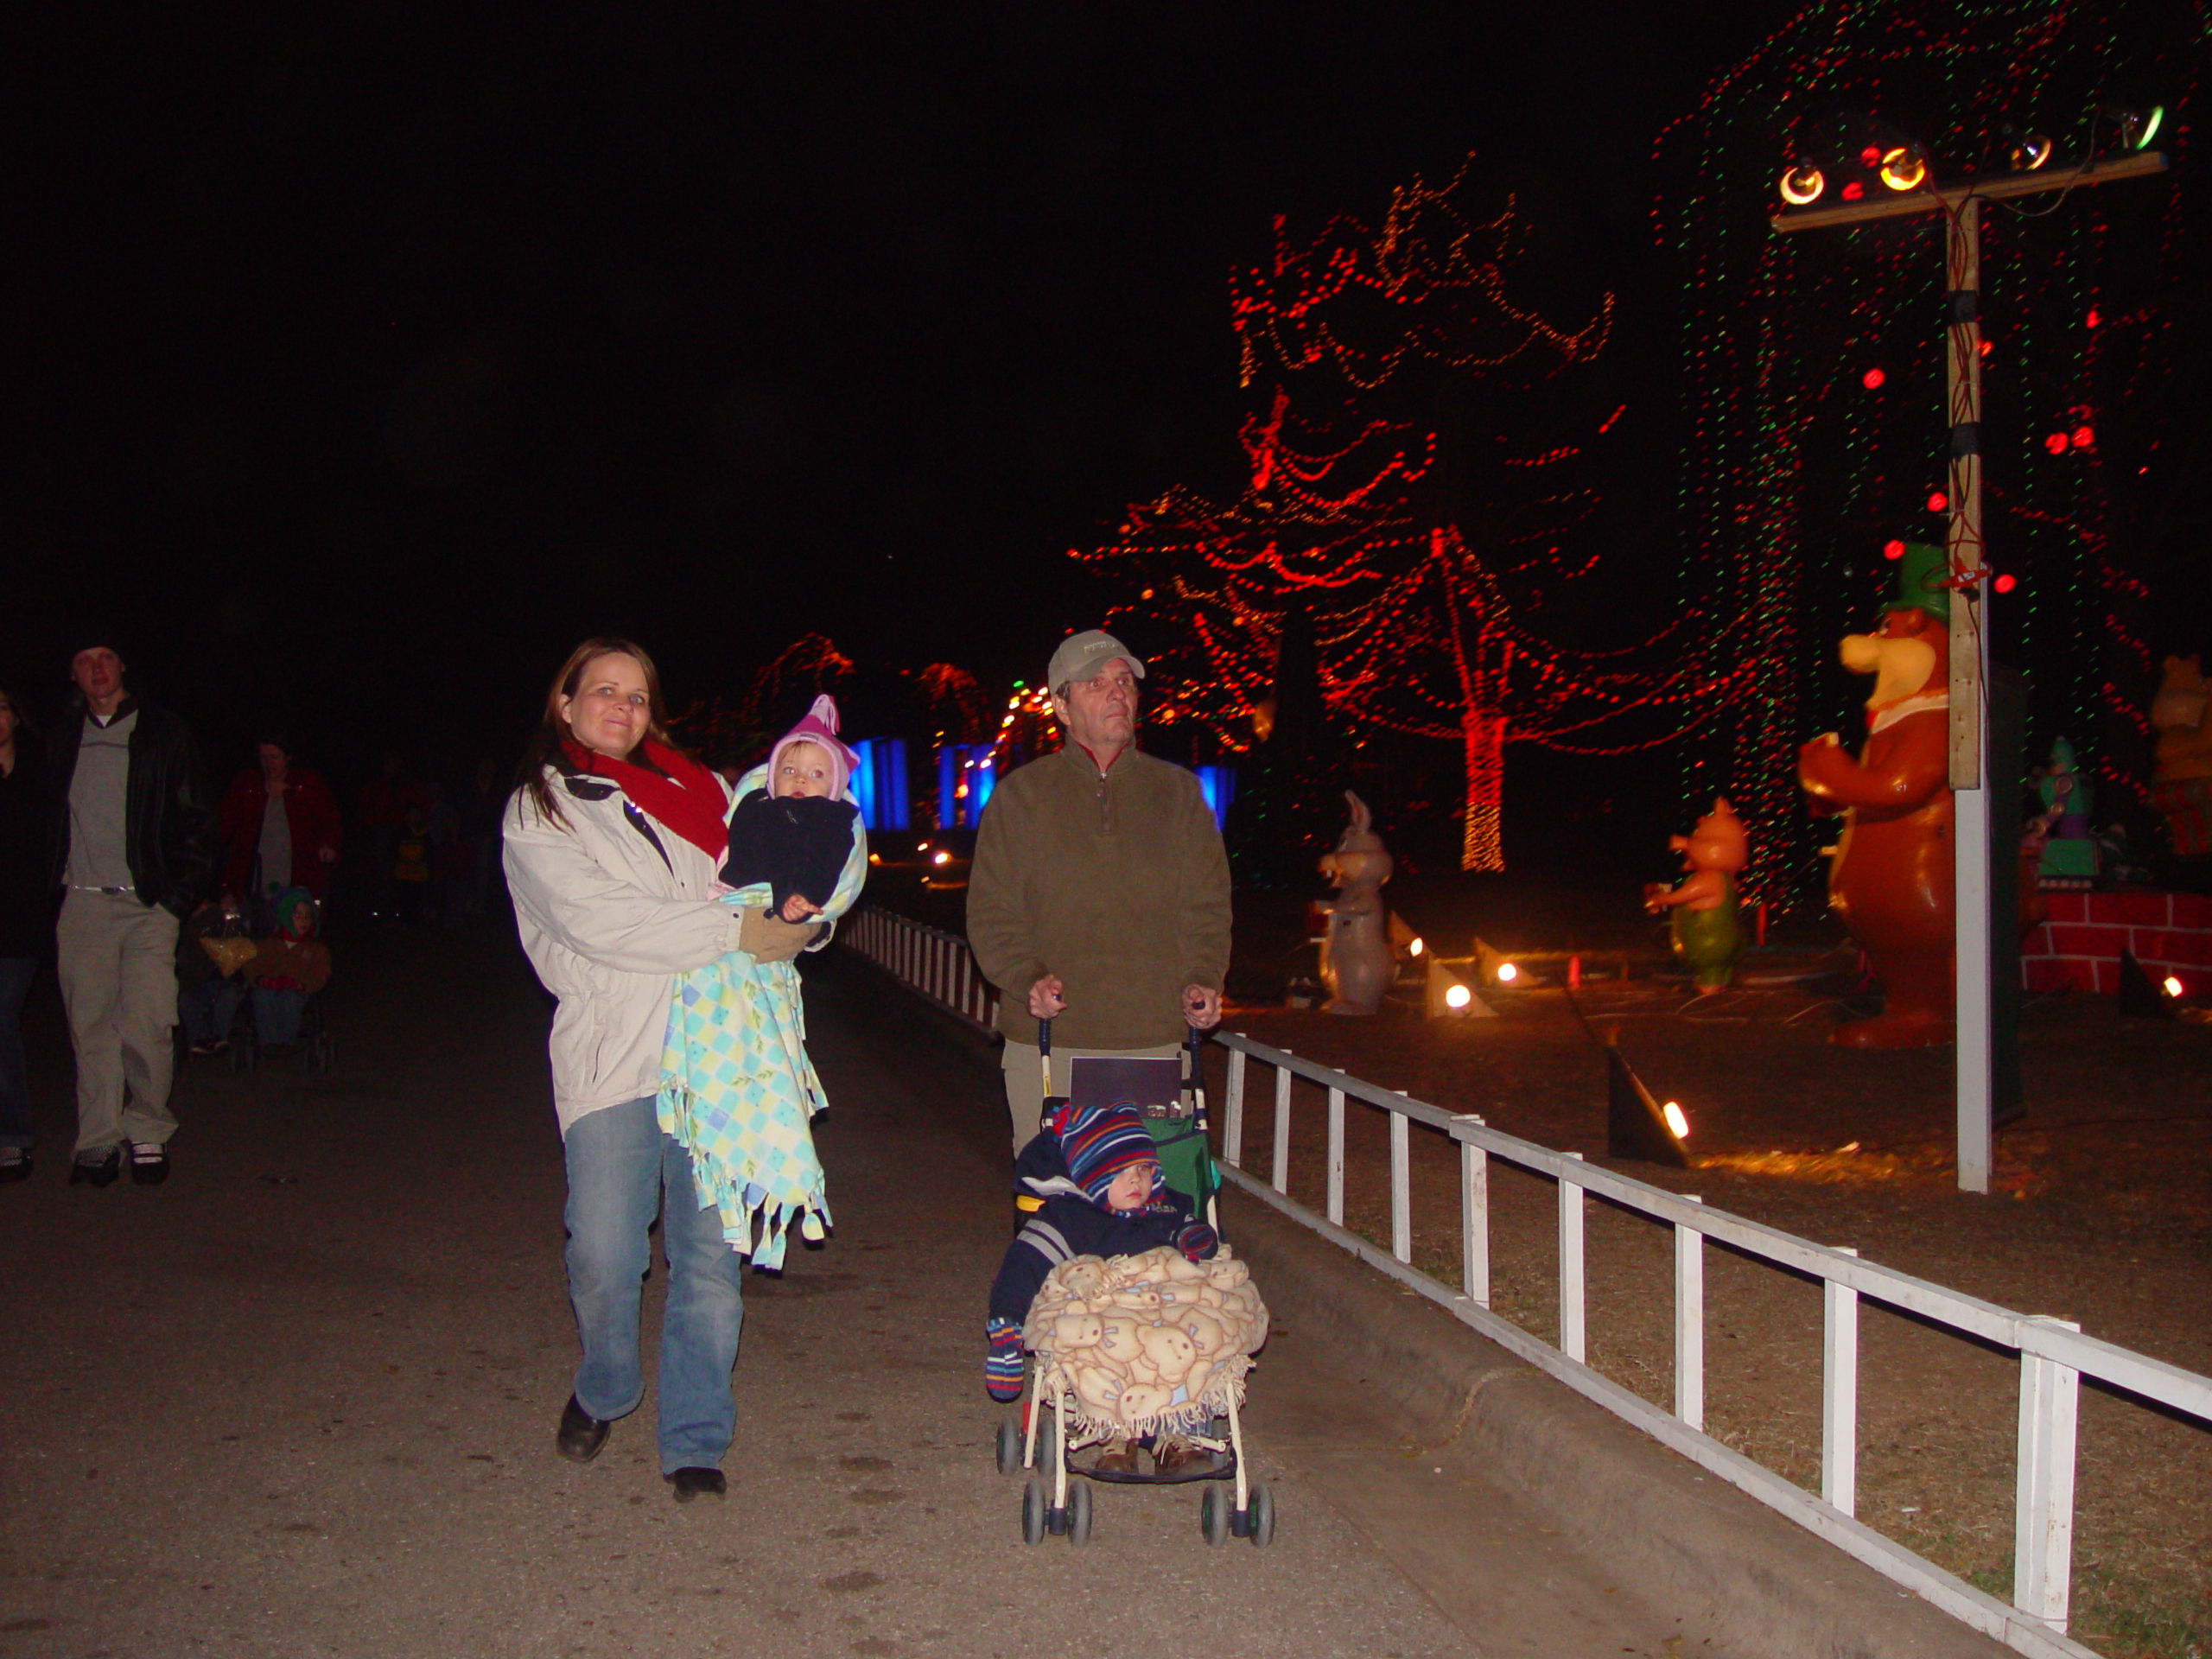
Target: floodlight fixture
{"x":2137,"y":123}
{"x":1904,"y":166}
{"x":1801,"y":186}
{"x":2140,"y":996}
{"x":2030,"y":152}
{"x":1449,"y":996}
{"x":1637,"y":1125}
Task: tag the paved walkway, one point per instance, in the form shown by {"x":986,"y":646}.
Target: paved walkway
{"x":300,"y":1402}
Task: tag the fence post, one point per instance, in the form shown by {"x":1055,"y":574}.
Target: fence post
{"x":2043,"y":1528}
{"x":1689,"y":1321}
{"x":1402,"y":1187}
{"x":1336,"y":1197}
{"x":1232,"y":1121}
{"x":1280,"y":1179}
{"x":1474,"y":1219}
{"x":1570,"y":1265}
{"x":1839,"y":1393}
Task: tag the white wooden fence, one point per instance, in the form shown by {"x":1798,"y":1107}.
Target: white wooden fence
{"x":2054,"y":1353}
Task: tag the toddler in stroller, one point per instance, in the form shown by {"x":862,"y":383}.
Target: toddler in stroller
{"x":289,"y":969}
{"x":1141,"y":1323}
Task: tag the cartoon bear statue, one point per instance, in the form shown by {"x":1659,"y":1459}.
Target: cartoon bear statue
{"x":1892,"y":881}
{"x":1701,"y":912}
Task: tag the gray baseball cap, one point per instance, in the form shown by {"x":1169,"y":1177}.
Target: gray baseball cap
{"x":1084,"y":657}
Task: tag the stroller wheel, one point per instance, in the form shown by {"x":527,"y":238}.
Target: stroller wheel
{"x":1079,"y":1513}
{"x":1213,"y":1514}
{"x":1032,"y":1511}
{"x":1260,"y":1517}
{"x":1009,"y":1447}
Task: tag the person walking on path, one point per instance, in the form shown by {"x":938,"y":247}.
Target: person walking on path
{"x":134,"y":844}
{"x":612,"y":845}
{"x":280,"y":826}
{"x":738,"y":1088}
{"x":26,"y":923}
{"x":1099,"y":893}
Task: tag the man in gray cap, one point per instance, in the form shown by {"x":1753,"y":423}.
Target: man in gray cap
{"x":134,"y":849}
{"x":1099,"y":895}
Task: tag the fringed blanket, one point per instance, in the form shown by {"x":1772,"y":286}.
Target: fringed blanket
{"x":1146,"y":1344}
{"x":738,"y":1091}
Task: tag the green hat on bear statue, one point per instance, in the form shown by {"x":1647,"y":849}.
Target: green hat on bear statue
{"x":1923,"y":574}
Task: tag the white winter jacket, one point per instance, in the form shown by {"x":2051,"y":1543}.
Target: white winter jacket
{"x":609,"y":920}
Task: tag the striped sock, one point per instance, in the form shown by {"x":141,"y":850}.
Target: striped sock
{"x":1002,"y":1364}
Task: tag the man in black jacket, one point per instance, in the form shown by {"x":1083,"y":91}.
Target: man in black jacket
{"x":134,"y":849}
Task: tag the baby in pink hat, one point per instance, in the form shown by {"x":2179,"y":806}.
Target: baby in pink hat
{"x":796,"y":834}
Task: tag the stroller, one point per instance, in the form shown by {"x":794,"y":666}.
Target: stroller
{"x":1066,"y":1410}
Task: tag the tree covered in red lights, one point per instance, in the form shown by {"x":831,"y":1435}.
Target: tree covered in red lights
{"x":1421,"y":445}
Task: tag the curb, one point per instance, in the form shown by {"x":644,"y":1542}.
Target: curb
{"x":1622,"y":1498}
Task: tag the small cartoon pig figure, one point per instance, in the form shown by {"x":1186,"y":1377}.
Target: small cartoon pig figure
{"x":1357,"y":964}
{"x":1708,"y":934}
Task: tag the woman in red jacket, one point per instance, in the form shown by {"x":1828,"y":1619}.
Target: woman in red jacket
{"x":280,"y":826}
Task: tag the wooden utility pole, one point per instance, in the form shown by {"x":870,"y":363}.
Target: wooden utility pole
{"x":1961,"y":205}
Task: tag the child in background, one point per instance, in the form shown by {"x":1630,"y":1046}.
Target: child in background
{"x":1097,"y":1171}
{"x":737,"y":1088}
{"x":211,"y":951}
{"x":288,"y":967}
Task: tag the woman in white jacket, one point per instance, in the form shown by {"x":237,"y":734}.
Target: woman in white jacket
{"x":611,"y":844}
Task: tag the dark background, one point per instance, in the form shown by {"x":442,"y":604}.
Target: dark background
{"x":359,"y":362}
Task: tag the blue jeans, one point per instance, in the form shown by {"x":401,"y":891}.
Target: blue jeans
{"x":206,"y":1009}
{"x":276,"y":1014}
{"x":15,"y":1079}
{"x":619,"y":1167}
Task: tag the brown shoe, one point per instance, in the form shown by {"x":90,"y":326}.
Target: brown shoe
{"x":1119,"y":1458}
{"x":1174,"y":1457}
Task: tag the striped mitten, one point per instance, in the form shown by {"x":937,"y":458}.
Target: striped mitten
{"x":1197,"y":1240}
{"x":1002,"y":1364}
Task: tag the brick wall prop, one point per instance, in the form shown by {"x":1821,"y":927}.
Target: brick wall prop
{"x":2078,"y":945}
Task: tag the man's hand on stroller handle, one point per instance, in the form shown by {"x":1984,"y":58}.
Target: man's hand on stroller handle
{"x":1201,"y":1007}
{"x":1047,"y":998}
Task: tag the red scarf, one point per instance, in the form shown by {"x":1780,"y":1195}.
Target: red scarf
{"x":683,"y":796}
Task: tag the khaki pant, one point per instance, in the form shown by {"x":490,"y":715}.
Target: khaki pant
{"x":117,"y":961}
{"x":1025,"y":1078}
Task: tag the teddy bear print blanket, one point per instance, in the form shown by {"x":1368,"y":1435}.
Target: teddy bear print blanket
{"x":1147,"y":1343}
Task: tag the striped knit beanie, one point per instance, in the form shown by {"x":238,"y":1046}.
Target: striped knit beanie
{"x":1099,"y":1142}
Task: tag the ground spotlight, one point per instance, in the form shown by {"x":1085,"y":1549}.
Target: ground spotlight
{"x":1450,"y":995}
{"x":2142,"y":997}
{"x":2172,"y":985}
{"x":1637,"y":1125}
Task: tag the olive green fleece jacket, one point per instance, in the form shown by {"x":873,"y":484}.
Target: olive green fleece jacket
{"x":1118,"y":884}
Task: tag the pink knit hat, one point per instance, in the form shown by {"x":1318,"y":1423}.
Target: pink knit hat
{"x":819,"y":728}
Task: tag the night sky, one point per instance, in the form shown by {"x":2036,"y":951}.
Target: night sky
{"x":360,"y":360}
